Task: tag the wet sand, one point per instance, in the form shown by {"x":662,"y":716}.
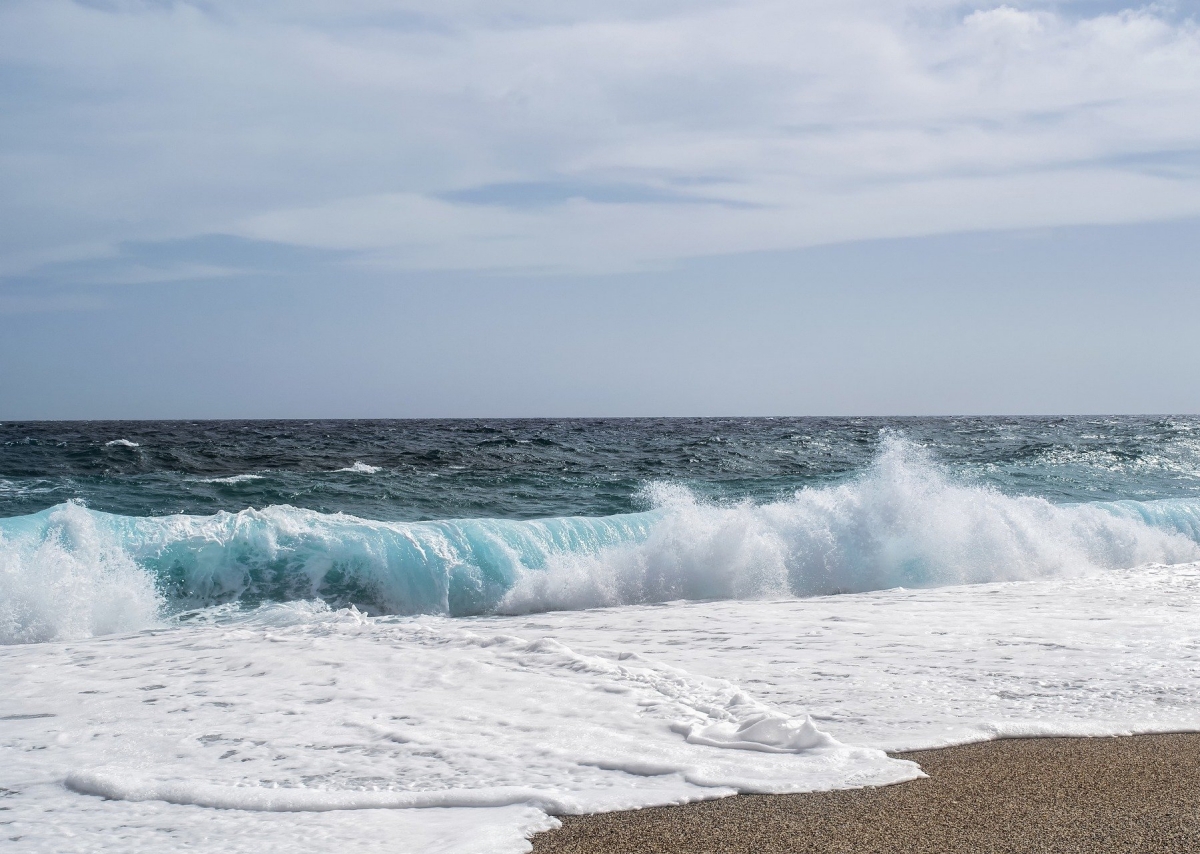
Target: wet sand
{"x":1135,"y":794}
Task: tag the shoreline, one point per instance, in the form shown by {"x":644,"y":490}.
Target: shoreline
{"x":1101,"y":794}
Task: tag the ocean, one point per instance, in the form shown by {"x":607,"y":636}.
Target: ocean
{"x":437,"y":636}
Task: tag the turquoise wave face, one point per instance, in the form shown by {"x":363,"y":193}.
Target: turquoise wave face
{"x":904,"y":521}
{"x":455,"y":567}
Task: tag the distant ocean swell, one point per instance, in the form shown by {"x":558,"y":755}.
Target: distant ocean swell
{"x":69,"y":572}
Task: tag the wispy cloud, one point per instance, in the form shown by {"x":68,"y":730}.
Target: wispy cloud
{"x":204,"y":257}
{"x":584,"y":136}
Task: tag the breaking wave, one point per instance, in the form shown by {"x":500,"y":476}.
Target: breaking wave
{"x":904,"y":521}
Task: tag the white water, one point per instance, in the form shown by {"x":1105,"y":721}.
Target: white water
{"x":416,"y":734}
{"x":903,"y":523}
{"x":71,"y":580}
{"x":360,"y":468}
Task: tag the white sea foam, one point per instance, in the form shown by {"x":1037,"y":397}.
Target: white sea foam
{"x":232,"y":479}
{"x":769,"y":733}
{"x":121,"y":443}
{"x":70,"y":578}
{"x":360,"y":468}
{"x":405,"y":721}
{"x":124,"y":786}
{"x":903,"y":523}
{"x":336,"y":711}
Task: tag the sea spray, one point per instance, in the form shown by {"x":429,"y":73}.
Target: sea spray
{"x":67,"y":577}
{"x":904,"y":522}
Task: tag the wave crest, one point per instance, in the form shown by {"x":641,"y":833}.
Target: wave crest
{"x":903,"y":522}
{"x":68,"y":577}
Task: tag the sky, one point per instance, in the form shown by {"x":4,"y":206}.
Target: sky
{"x":464,"y":208}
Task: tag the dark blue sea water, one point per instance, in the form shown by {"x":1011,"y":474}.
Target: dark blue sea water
{"x":540,"y":468}
{"x":469,"y":517}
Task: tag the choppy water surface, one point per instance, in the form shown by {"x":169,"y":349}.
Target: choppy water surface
{"x":420,"y":470}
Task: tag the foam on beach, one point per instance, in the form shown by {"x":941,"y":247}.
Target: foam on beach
{"x":506,"y":722}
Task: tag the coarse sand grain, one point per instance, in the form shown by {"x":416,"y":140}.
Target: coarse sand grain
{"x":1061,"y":795}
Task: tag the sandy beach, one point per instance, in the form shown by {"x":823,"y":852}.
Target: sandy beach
{"x":1128,"y":794}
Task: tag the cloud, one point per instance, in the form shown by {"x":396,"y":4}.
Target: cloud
{"x":583,"y":136}
{"x":534,"y":194}
{"x":204,"y":257}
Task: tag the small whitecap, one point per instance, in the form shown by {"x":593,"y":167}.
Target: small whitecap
{"x":121,"y":443}
{"x":360,"y":468}
{"x":237,"y":478}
